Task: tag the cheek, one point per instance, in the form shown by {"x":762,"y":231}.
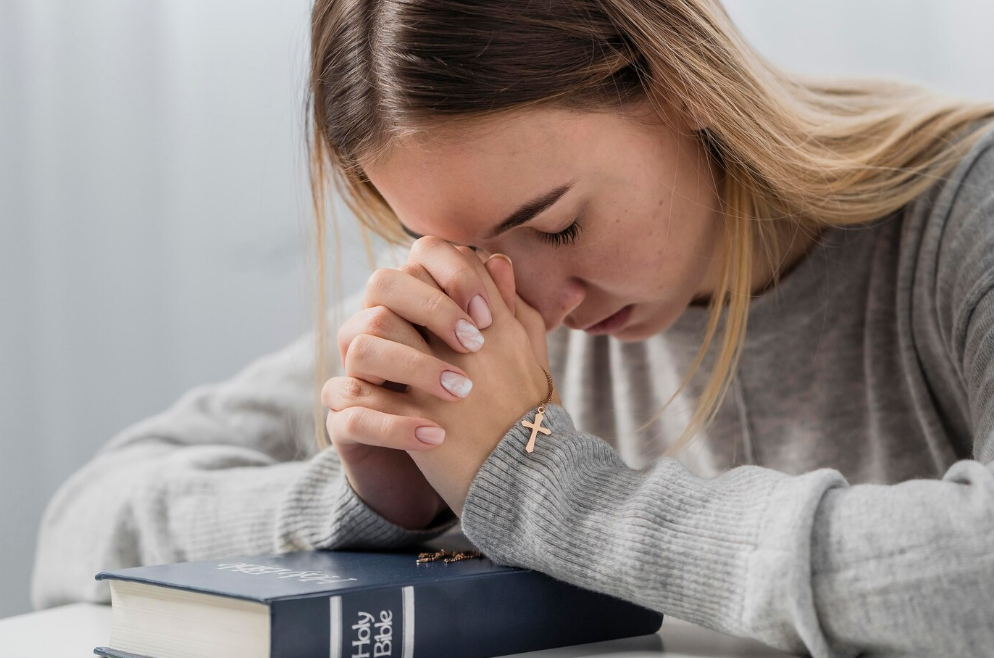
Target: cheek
{"x":660,"y":243}
{"x":662,"y":252}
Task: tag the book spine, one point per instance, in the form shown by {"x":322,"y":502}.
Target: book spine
{"x":368,"y":623}
{"x":473,"y":617}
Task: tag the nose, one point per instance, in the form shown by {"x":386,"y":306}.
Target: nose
{"x":554,"y":300}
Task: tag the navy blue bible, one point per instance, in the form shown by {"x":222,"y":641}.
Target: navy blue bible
{"x":355,"y":604}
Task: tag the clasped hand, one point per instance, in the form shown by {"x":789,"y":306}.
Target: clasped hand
{"x":395,"y":351}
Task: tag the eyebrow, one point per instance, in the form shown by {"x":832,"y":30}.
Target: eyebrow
{"x":523,"y":214}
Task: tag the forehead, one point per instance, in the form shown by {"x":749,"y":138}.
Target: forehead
{"x":458,"y":181}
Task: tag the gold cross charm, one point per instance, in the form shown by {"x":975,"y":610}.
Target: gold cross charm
{"x":536,"y":427}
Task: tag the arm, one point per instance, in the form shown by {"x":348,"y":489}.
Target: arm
{"x":227,"y":470}
{"x":804,"y":563}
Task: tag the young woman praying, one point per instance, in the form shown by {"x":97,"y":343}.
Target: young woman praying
{"x":620,"y":210}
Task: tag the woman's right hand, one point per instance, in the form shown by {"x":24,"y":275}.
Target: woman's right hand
{"x":373,"y":445}
{"x":382,"y":354}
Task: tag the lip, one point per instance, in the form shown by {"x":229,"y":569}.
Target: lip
{"x":612,"y":322}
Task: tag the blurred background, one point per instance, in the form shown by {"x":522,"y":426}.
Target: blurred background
{"x":154,"y":217}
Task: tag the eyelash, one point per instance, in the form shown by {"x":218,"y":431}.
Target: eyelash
{"x":566,"y":236}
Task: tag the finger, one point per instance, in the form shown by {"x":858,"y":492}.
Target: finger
{"x":502,"y":273}
{"x":497,"y":306}
{"x":497,"y":265}
{"x":365,"y":419}
{"x":414,"y":269}
{"x":534,"y":325}
{"x":503,"y":279}
{"x":377,"y":428}
{"x":452,"y":270}
{"x":423,"y":304}
{"x":379,"y":321}
{"x":376,"y":359}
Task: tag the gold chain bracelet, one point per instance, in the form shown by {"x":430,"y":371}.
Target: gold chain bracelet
{"x":536,"y":426}
{"x":450,"y":556}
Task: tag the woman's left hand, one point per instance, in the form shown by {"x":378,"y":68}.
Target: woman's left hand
{"x":507,"y":382}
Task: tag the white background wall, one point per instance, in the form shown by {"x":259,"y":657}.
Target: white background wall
{"x":153,"y":209}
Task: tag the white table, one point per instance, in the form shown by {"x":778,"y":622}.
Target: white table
{"x":71,"y":631}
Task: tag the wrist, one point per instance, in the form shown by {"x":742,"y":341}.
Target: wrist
{"x":443,"y":515}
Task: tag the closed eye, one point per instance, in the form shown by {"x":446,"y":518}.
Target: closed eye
{"x":566,"y":236}
{"x":417,"y":236}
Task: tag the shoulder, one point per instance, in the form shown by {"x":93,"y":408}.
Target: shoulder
{"x":949,"y":231}
{"x":949,"y":235}
{"x":950,"y":198}
{"x":962,"y":223}
{"x":946,"y":286}
{"x":972,"y":181}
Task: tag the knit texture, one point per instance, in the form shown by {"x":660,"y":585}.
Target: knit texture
{"x":841,"y":504}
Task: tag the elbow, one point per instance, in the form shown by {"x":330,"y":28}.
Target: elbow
{"x":84,"y":530}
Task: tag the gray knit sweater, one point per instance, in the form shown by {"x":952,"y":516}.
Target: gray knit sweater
{"x":841,"y":504}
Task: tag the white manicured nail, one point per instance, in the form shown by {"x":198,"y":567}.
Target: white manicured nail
{"x":456,"y":384}
{"x":468,"y":335}
{"x":480,"y":312}
{"x":433,"y":435}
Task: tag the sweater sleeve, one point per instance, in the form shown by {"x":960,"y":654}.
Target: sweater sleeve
{"x":229,"y":469}
{"x":805,"y":563}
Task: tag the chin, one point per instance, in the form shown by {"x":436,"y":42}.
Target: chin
{"x":633,"y":333}
{"x":639,"y":329}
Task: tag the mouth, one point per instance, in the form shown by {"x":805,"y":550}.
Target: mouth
{"x":612,"y":322}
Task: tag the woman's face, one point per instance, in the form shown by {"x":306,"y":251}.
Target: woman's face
{"x":643,"y":193}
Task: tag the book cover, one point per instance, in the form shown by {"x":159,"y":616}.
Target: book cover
{"x":384,"y":604}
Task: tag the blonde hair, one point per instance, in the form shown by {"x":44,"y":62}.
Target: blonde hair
{"x":797,"y":152}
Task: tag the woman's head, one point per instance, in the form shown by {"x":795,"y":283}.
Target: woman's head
{"x":690,"y":161}
{"x":635,"y":201}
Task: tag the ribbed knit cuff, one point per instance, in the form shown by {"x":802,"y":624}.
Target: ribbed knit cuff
{"x":322,"y":511}
{"x":660,"y":537}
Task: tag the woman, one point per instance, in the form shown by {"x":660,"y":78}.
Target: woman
{"x":645,"y":164}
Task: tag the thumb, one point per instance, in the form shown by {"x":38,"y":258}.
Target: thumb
{"x":502,"y":272}
{"x":534,"y":326}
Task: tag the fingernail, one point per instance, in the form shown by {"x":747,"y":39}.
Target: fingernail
{"x":432,"y":435}
{"x":480,"y":312}
{"x":468,"y":335}
{"x":456,"y":384}
{"x":505,"y":257}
